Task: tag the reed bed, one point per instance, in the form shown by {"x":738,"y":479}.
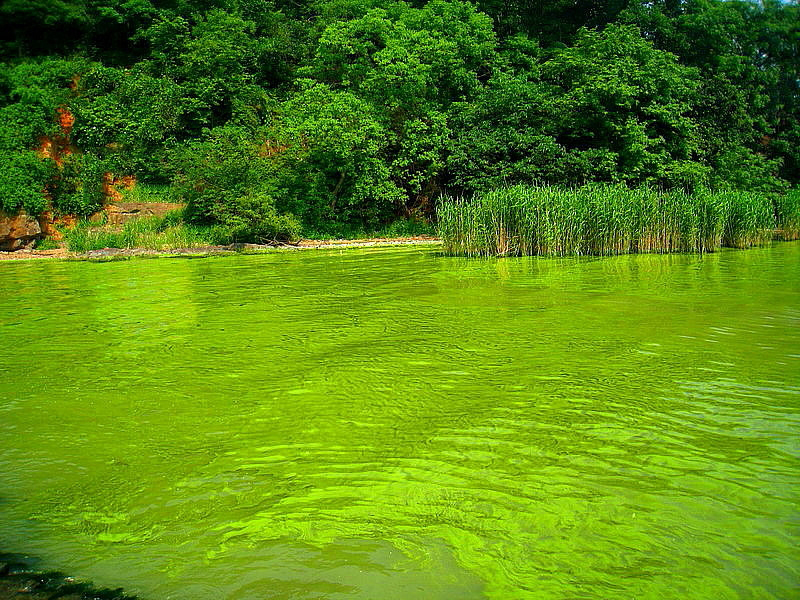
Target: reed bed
{"x":603,"y":220}
{"x":787,"y":215}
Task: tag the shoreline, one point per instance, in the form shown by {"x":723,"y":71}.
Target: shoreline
{"x":124,"y":253}
{"x":111,"y":254}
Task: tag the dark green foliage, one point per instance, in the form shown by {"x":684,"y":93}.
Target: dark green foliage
{"x":330,"y":159}
{"x":216,"y":169}
{"x":552,"y":21}
{"x":253,"y":218}
{"x":129,"y":117}
{"x":36,"y":93}
{"x":78,"y":187}
{"x":610,"y":108}
{"x":399,"y":228}
{"x":747,"y":55}
{"x":225,"y":179}
{"x":23,"y":179}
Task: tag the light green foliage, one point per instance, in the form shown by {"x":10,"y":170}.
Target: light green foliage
{"x":331,"y":161}
{"x":169,"y":232}
{"x":750,"y":218}
{"x":148,"y":192}
{"x":83,"y":239}
{"x":411,"y":65}
{"x":405,"y":58}
{"x":23,"y":124}
{"x":602,"y":220}
{"x":262,"y":225}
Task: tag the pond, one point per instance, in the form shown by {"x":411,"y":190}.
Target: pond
{"x":396,"y":424}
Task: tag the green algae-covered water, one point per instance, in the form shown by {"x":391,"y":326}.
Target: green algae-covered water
{"x":395,"y":424}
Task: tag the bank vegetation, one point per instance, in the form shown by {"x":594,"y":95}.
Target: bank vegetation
{"x":279,"y":119}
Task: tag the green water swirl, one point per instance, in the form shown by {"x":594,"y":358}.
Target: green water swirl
{"x":399,"y":424}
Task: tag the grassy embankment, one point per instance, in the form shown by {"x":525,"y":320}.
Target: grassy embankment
{"x":608,"y":220}
{"x":172,"y":231}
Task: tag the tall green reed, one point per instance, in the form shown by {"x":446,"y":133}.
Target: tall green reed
{"x":787,"y":215}
{"x":602,"y":220}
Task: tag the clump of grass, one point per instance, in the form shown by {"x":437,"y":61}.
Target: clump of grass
{"x":787,"y":215}
{"x":155,"y":233}
{"x":750,"y":219}
{"x":404,"y":228}
{"x":46,"y":244}
{"x":148,"y":192}
{"x":602,"y":220}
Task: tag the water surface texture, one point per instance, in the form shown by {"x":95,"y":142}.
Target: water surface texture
{"x":395,"y":424}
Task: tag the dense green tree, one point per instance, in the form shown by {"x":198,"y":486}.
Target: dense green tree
{"x":747,"y":54}
{"x":610,"y":108}
{"x":411,"y":65}
{"x":129,"y":117}
{"x":330,"y":152}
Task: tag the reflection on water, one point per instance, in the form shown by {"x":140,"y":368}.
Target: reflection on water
{"x":399,"y":424}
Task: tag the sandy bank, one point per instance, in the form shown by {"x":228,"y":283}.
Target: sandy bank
{"x":111,"y":253}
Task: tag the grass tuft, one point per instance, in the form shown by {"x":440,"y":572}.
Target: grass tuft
{"x":155,"y":233}
{"x":148,"y":192}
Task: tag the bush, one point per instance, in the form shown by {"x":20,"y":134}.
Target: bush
{"x":23,"y":178}
{"x":253,"y":219}
{"x":215,"y":171}
{"x":78,"y":188}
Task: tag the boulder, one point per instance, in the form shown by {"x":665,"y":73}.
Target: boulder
{"x":18,"y":231}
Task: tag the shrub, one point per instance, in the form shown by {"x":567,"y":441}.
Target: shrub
{"x":216,"y":170}
{"x":253,"y":218}
{"x":23,"y":178}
